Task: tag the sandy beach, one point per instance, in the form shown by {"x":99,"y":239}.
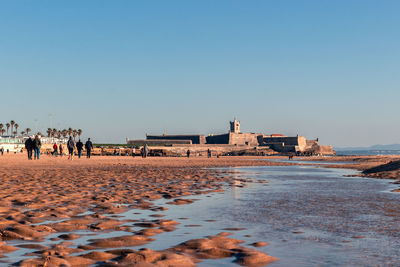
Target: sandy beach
{"x":62,"y":199}
{"x":54,"y":195}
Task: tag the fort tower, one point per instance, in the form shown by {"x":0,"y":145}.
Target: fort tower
{"x":235,"y":126}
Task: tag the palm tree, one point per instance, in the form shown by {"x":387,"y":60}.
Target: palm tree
{"x":22,"y":133}
{"x":54,"y":132}
{"x":8,"y":127}
{"x":49,"y":132}
{"x":70,"y":131}
{"x":12,"y":126}
{"x":2,"y":131}
{"x":27,"y":130}
{"x":1,"y":128}
{"x":16,"y":128}
{"x":79,"y":133}
{"x":64,"y":133}
{"x":74,"y":133}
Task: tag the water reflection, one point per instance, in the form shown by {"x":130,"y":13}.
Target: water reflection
{"x":316,"y":216}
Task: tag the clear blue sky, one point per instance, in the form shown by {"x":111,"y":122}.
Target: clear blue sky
{"x":116,"y":69}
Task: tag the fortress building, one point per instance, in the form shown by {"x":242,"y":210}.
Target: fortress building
{"x":235,"y":138}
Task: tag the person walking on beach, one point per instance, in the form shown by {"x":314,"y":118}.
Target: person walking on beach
{"x":70,"y":146}
{"x":88,"y":147}
{"x":60,"y":147}
{"x":36,"y":147}
{"x":2,"y":151}
{"x":209,"y":153}
{"x":133,"y":152}
{"x":55,"y":152}
{"x":188,"y":153}
{"x":29,"y":147}
{"x":79,"y":147}
{"x":145,"y":151}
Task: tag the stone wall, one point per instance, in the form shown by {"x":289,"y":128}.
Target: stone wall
{"x":196,"y":139}
{"x":218,"y":139}
{"x":249,"y":139}
{"x":282,"y":148}
{"x":157,"y":142}
{"x":223,"y":149}
{"x":326,"y":150}
{"x":290,"y":141}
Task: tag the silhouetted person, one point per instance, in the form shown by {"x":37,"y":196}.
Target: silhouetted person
{"x":29,"y":147}
{"x":2,"y":151}
{"x":209,"y":153}
{"x":70,"y":146}
{"x":55,"y":152}
{"x":79,"y":147}
{"x":88,"y":147}
{"x":60,"y":147}
{"x":188,"y":153}
{"x":36,"y":147}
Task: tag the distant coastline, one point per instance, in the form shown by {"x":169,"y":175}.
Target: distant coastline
{"x":373,"y":147}
{"x":367,"y":152}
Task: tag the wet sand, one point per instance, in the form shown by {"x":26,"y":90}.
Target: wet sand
{"x":48,"y":204}
{"x":359,"y":163}
{"x":55,"y":212}
{"x":387,"y":166}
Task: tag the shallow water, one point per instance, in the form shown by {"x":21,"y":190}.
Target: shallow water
{"x":313,"y":216}
{"x":310,"y":215}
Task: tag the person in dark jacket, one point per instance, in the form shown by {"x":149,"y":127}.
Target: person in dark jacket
{"x":36,"y":147}
{"x":60,"y":147}
{"x":71,"y":147}
{"x":79,"y":146}
{"x":88,"y":147}
{"x":29,"y":147}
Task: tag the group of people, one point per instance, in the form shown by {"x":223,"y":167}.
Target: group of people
{"x":34,"y":145}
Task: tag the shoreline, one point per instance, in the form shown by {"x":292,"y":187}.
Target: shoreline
{"x":57,"y":191}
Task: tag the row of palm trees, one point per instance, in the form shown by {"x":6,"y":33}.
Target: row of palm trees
{"x":64,"y":133}
{"x":14,"y":128}
{"x":50,"y":132}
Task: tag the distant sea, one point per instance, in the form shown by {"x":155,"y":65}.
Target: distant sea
{"x":367,"y":152}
